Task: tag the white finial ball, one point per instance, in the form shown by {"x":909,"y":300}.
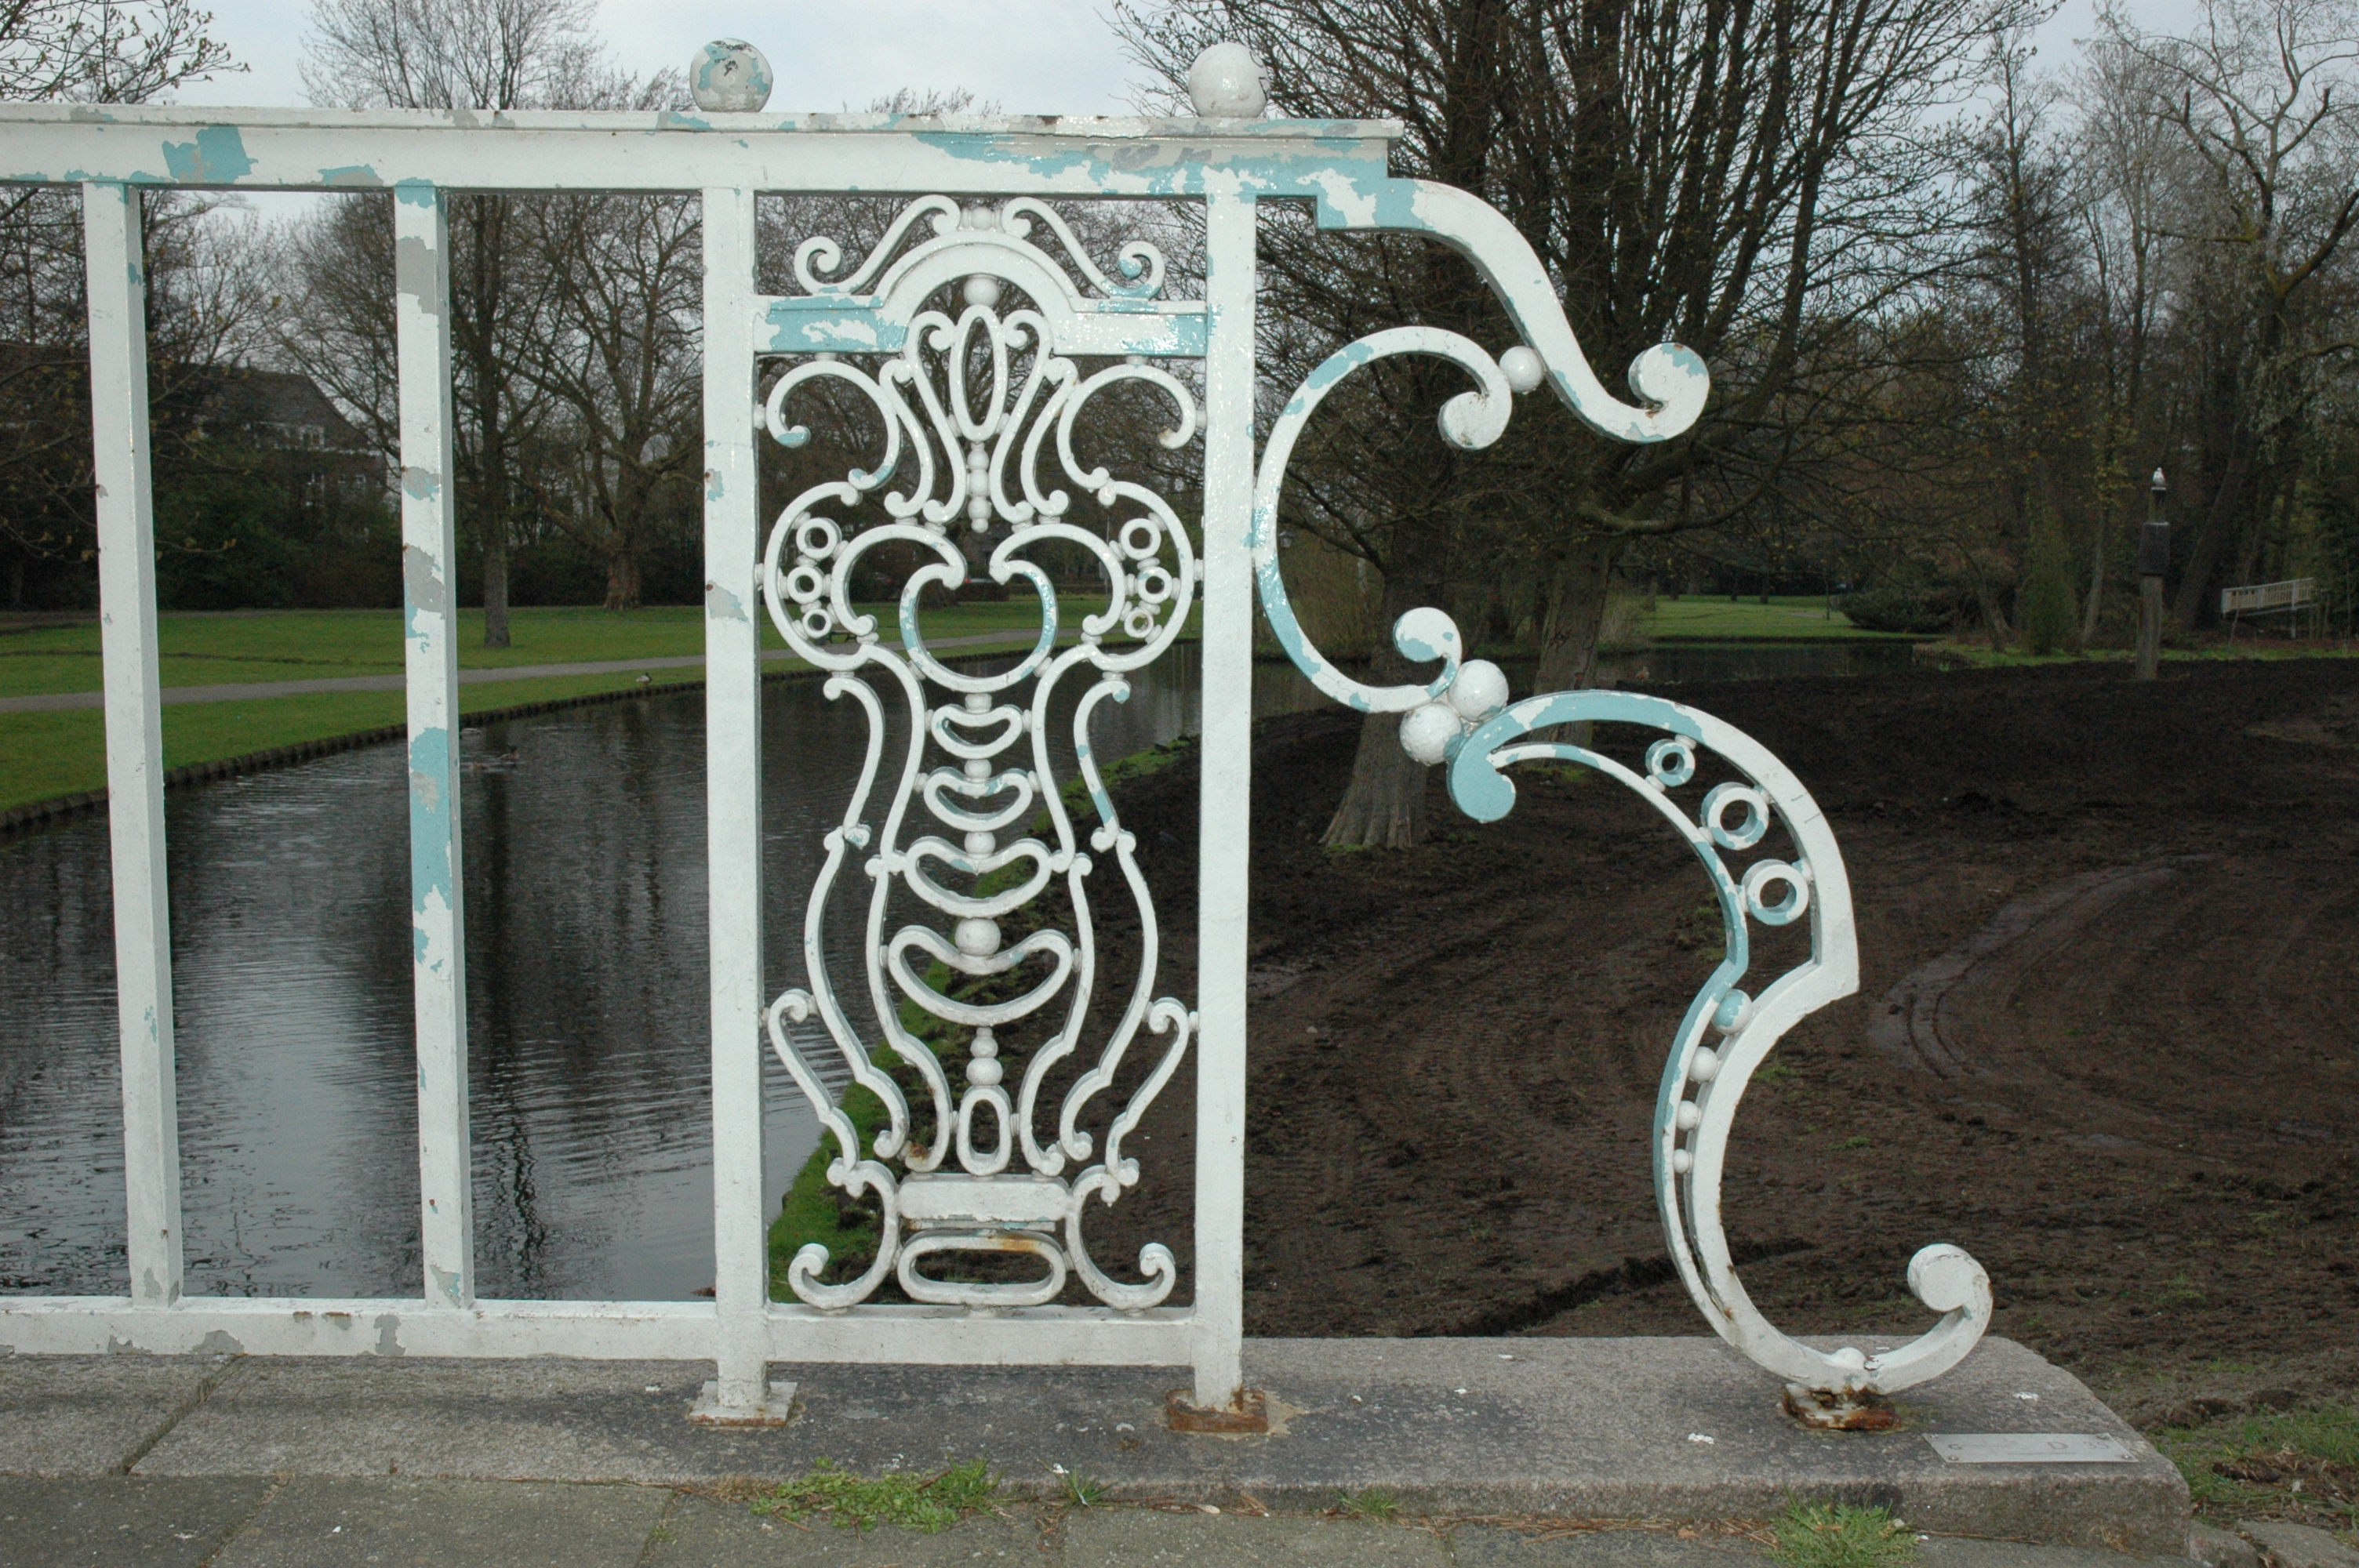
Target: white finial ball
{"x":1226,"y":83}
{"x":1480,"y":690}
{"x":1426,"y":732}
{"x":976,"y":937}
{"x":982,"y":289}
{"x":729,"y":75}
{"x":1524,"y":369}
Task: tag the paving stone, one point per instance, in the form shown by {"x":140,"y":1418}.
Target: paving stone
{"x":2298,"y":1545}
{"x":698,"y":1533}
{"x":327,"y":1523}
{"x":2219,"y":1548}
{"x":1485,"y":1547}
{"x":1149,"y":1537}
{"x":93,"y":1522}
{"x":1949,"y":1551}
{"x":1635,"y":1428}
{"x":88,"y":1415}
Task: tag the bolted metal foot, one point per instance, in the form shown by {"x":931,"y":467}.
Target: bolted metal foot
{"x":776,"y":1409}
{"x":1840,"y":1410}
{"x":1247,"y":1413}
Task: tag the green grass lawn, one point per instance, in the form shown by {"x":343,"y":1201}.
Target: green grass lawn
{"x":44,"y":755}
{"x":1749,"y":619}
{"x":312,"y":645}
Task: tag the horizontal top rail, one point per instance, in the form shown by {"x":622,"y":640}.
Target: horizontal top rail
{"x":339,"y":149}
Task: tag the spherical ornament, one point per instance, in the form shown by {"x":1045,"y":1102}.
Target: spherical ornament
{"x":980,"y":843}
{"x":1524,"y":369}
{"x":1704,"y":1065}
{"x":1736,"y":1010}
{"x":1226,"y":83}
{"x":729,"y":75}
{"x":983,"y":289}
{"x":1480,"y":690}
{"x":984,"y":1072}
{"x":976,"y":937}
{"x":1687,"y":1116}
{"x":1681,"y":1162}
{"x":1426,"y":732}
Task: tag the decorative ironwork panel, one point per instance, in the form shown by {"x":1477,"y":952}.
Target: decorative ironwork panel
{"x":980,"y":399}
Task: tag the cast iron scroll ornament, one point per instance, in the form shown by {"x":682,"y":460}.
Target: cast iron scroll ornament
{"x":970,"y":402}
{"x":1461,"y":717}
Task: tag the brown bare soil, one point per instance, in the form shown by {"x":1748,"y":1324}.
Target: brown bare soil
{"x":2103,"y":1038}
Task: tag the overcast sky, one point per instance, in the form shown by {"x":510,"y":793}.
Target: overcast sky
{"x":1045,"y":57}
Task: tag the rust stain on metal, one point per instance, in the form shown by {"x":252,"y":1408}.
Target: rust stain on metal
{"x":1835,"y":1410}
{"x":1248,"y":1412}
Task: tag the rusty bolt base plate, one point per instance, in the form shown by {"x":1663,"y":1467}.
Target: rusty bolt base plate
{"x":777,"y":1408}
{"x":1249,"y":1413}
{"x":1832,"y":1409}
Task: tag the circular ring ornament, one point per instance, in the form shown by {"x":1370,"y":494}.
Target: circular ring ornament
{"x":1155,"y":585}
{"x":1746,"y":833}
{"x":1141,"y":537}
{"x":1758,"y":880}
{"x":1671,"y":763}
{"x":806,"y":583}
{"x":817,"y":537}
{"x":817,"y":621}
{"x":1140,"y":623}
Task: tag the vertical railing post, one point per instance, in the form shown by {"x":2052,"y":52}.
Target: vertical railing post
{"x":1226,"y":788}
{"x":421,"y":231}
{"x":116,"y":270}
{"x":733,"y":751}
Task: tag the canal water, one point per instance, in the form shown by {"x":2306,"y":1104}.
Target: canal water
{"x":585,"y":911}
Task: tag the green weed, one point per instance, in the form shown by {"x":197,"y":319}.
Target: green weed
{"x":1836,"y":1535}
{"x":928,"y":1505}
{"x":2272,"y":1462}
{"x":1083,"y":1490}
{"x":1374,"y":1503}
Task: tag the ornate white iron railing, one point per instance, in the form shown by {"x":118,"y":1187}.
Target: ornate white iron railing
{"x":962,"y":330}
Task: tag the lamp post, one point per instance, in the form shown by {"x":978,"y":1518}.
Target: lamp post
{"x":2154,"y":561}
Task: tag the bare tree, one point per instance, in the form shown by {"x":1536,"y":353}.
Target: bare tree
{"x":470,"y":54}
{"x":101,"y":51}
{"x":1747,"y":179}
{"x":2263,"y":97}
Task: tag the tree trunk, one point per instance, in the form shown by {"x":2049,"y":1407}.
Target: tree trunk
{"x":1383,"y":805}
{"x":623,"y":580}
{"x":1576,"y":614}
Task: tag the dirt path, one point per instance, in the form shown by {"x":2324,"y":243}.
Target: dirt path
{"x":2102,"y":1041}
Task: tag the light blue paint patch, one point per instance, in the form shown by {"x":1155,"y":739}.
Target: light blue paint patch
{"x":714,"y":487}
{"x":352,"y":175}
{"x":429,"y":823}
{"x":216,"y":157}
{"x":420,"y":484}
{"x":414,"y":192}
{"x":719,"y":605}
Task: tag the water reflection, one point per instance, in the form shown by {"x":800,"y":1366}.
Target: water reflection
{"x":586,"y":868}
{"x":585,"y":872}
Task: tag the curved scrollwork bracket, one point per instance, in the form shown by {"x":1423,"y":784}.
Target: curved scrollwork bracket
{"x":1727,"y":1034}
{"x":1461,"y":717}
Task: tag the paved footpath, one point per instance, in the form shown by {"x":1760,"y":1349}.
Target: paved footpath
{"x":254,"y":691}
{"x":1502,"y":1445}
{"x":302,"y":1521}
